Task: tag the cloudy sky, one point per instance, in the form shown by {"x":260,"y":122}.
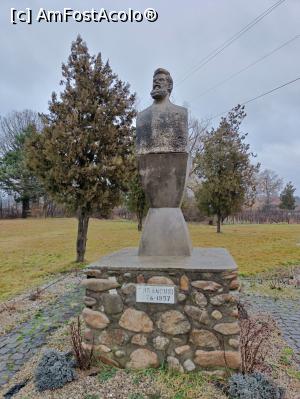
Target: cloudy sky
{"x":183,"y":35}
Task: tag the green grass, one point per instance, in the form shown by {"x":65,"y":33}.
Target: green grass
{"x":286,"y":356}
{"x":174,"y":384}
{"x":294,"y":373}
{"x":107,"y":373}
{"x":136,"y":396}
{"x":34,"y":249}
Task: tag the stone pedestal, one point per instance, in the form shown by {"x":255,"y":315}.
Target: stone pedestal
{"x":199,"y":330}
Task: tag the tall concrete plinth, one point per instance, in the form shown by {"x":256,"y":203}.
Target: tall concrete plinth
{"x":161,"y":223}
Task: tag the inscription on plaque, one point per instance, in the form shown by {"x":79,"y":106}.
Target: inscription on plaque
{"x":155,"y":293}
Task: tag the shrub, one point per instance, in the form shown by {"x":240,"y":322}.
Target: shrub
{"x":255,"y":340}
{"x":54,"y":370}
{"x":253,"y":386}
{"x":84,"y":358}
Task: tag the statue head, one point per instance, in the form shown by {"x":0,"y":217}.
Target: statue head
{"x":162,"y":84}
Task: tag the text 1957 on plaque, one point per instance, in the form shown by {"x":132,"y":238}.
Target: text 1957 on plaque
{"x":155,"y":293}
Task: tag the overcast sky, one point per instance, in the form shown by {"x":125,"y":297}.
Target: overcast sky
{"x":184,"y":33}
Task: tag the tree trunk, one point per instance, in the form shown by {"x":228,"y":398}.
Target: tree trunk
{"x":25,"y":207}
{"x":139,"y":216}
{"x":83,"y":223}
{"x":140,"y":223}
{"x":219,"y":224}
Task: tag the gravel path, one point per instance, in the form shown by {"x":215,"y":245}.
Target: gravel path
{"x":286,"y":312}
{"x":25,"y":340}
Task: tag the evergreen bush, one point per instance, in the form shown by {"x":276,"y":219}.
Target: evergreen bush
{"x":54,"y":370}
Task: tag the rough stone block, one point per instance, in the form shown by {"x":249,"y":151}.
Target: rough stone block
{"x":197,"y":314}
{"x":99,"y":284}
{"x":112,"y":303}
{"x":210,"y":286}
{"x":136,"y":320}
{"x":139,"y":339}
{"x":143,"y":358}
{"x":95,"y":319}
{"x":160,"y":342}
{"x":173,"y":322}
{"x":204,"y":338}
{"x":218,"y":359}
{"x":160,"y":280}
{"x":227,"y":328}
{"x":112,"y":337}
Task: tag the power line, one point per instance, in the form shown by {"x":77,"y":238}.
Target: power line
{"x":229,"y":41}
{"x":257,"y":97}
{"x":246,"y":67}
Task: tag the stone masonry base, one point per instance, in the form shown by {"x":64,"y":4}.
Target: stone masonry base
{"x":199,"y":331}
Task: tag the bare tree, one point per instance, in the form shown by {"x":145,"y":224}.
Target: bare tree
{"x":13,"y":125}
{"x":268,"y":186}
{"x":197,"y":130}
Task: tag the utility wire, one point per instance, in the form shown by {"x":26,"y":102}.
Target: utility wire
{"x":246,"y":67}
{"x":257,"y":97}
{"x":229,"y":41}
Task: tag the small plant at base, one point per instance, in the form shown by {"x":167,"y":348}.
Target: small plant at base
{"x":136,"y":380}
{"x":293,"y":373}
{"x":35,"y":295}
{"x":107,"y":373}
{"x":286,"y":356}
{"x":179,"y":396}
{"x":276,"y":283}
{"x":136,"y":396}
{"x":255,"y":341}
{"x":54,"y":370}
{"x":83,"y":357}
{"x":10,"y":308}
{"x":253,"y":386}
{"x":149,"y":372}
{"x":92,"y":397}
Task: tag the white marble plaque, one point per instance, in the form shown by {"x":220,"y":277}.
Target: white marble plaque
{"x":149,"y":293}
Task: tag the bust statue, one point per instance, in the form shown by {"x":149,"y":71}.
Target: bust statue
{"x":162,"y":154}
{"x":162,"y":127}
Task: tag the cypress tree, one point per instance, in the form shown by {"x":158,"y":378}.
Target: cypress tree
{"x":83,"y":153}
{"x":227,"y":176}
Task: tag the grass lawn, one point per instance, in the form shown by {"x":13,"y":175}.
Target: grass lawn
{"x":33,"y":249}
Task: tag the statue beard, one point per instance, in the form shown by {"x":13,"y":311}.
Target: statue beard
{"x":159,"y":93}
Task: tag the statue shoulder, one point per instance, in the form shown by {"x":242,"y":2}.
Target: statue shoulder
{"x":142,"y":114}
{"x":179,"y":109}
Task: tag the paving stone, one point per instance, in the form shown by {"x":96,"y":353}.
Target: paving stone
{"x":3,"y":379}
{"x":17,"y":356}
{"x":2,"y":344}
{"x":4,"y":350}
{"x":34,"y":333}
{"x":2,"y":366}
